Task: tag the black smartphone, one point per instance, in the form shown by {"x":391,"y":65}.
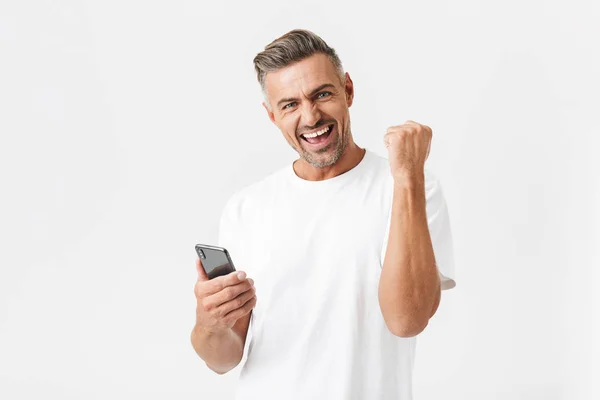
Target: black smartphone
{"x":215,"y":260}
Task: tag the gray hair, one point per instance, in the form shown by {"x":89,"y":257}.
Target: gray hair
{"x":294,"y":46}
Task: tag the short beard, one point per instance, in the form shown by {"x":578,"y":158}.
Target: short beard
{"x":340,"y":147}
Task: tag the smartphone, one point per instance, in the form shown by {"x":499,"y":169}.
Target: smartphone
{"x":215,"y":260}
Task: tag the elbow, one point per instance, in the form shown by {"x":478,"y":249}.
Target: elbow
{"x":217,"y":371}
{"x":220,"y":371}
{"x":406,"y":330}
{"x":406,"y":326}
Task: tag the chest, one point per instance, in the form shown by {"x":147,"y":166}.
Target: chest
{"x":315,"y":241}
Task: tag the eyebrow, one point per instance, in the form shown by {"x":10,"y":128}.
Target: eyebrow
{"x":289,"y":99}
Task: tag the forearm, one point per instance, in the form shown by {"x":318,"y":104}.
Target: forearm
{"x":221,"y":351}
{"x":409,"y":285}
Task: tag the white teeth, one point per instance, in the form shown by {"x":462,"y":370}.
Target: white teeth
{"x":317,"y":133}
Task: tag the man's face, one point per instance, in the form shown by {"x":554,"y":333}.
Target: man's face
{"x":307,"y":98}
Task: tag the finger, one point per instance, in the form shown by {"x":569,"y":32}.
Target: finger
{"x":245,"y":309}
{"x":221,"y":282}
{"x":200,"y":270}
{"x":229,"y":293}
{"x":235,"y":303}
{"x":396,"y":128}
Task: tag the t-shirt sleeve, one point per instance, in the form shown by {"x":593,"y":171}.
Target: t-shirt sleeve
{"x":230,"y":227}
{"x":438,"y":221}
{"x":232,"y":232}
{"x":226,"y":228}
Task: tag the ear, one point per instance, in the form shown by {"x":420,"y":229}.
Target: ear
{"x":349,"y":89}
{"x":271,"y":115}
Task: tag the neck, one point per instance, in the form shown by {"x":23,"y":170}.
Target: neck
{"x":350,"y":159}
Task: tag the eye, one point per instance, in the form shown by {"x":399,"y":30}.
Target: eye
{"x":288,"y":104}
{"x":320,"y":97}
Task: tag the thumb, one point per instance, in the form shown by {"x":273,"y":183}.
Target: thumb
{"x":201,"y":273}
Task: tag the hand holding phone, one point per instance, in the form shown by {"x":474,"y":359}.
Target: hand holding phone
{"x":223,"y":300}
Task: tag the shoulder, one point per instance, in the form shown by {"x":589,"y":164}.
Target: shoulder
{"x":433,"y":187}
{"x":378,"y":162}
{"x":250,"y":197}
{"x":432,"y":181}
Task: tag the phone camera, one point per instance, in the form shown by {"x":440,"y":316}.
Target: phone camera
{"x":201,"y":253}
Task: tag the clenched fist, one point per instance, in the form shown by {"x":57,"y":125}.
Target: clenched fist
{"x":408,"y":147}
{"x":223,"y":300}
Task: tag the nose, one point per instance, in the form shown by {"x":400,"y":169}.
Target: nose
{"x":310,"y":114}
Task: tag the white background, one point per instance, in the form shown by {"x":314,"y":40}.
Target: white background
{"x":126,"y":125}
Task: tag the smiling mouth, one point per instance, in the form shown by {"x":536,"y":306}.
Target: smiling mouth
{"x":318,"y":136}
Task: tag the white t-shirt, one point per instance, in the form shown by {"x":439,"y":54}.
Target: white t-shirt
{"x":315,"y":250}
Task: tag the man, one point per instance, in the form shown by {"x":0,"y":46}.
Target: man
{"x":346,"y":252}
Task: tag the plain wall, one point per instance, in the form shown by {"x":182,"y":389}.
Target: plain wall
{"x":126,"y":125}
